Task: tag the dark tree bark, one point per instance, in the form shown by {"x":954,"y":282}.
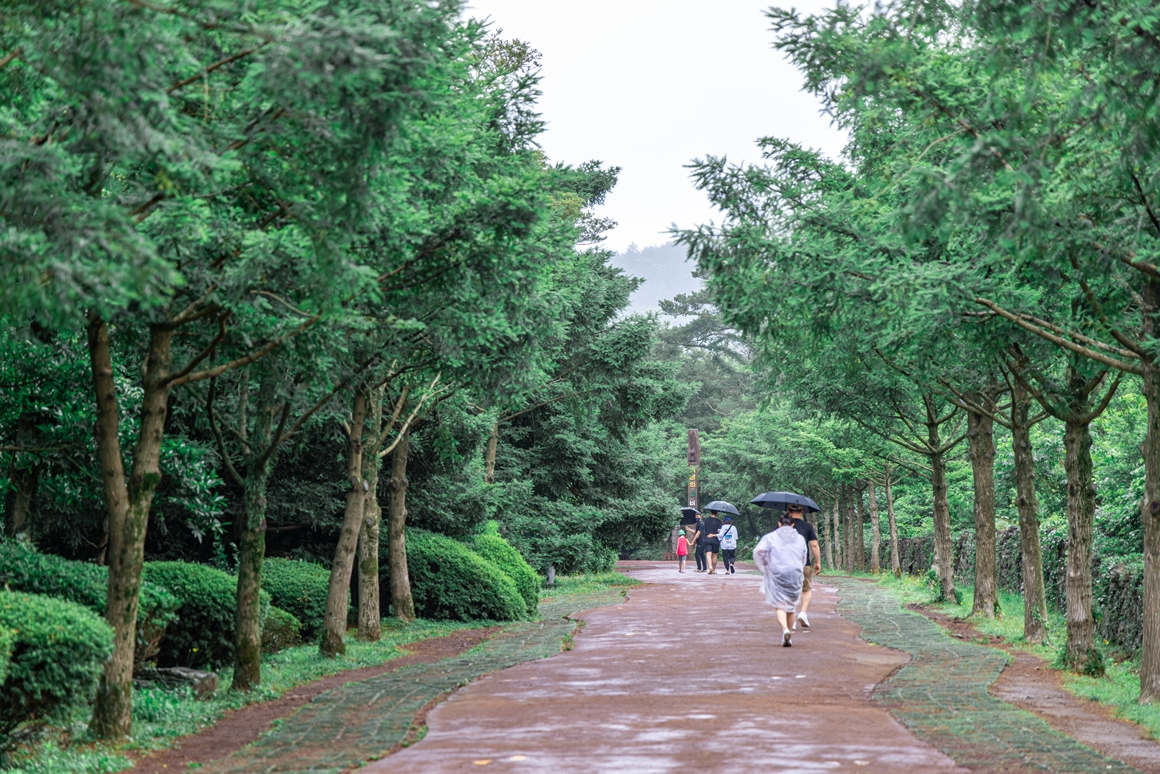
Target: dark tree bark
{"x":489,"y":457}
{"x":401,"y":600}
{"x":334,"y":627}
{"x":895,"y":560}
{"x":942,"y":511}
{"x":875,"y":534}
{"x":981,"y":449}
{"x":827,"y":525}
{"x":1082,"y":655}
{"x":1150,"y":511}
{"x":835,"y":518}
{"x":859,"y":529}
{"x":369,"y":616}
{"x":127,"y":504}
{"x":18,"y":503}
{"x":1027,"y":503}
{"x":851,"y":547}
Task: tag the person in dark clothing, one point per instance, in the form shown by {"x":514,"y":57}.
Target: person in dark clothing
{"x":807,"y":531}
{"x":711,"y":527}
{"x":698,"y":532}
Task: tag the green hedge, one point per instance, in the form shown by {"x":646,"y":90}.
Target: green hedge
{"x":23,"y":568}
{"x":204,"y":634}
{"x":58,"y":652}
{"x":450,"y":581}
{"x":280,"y":630}
{"x":7,"y":640}
{"x":499,"y":552}
{"x":299,"y":588}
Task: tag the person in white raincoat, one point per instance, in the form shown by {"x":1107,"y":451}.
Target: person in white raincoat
{"x":780,"y":556}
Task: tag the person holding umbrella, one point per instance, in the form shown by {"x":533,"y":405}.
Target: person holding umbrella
{"x":712,"y":528}
{"x":696,"y":534}
{"x":780,"y":556}
{"x":728,"y":537}
{"x":810,"y":535}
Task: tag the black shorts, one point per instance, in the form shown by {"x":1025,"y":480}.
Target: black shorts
{"x":712,"y":545}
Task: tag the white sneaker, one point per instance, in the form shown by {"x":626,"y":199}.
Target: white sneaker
{"x":795,"y":623}
{"x":786,"y":639}
{"x":805,"y":621}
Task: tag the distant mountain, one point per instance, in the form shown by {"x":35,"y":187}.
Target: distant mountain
{"x":665,"y":272}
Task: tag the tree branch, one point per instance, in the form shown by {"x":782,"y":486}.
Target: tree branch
{"x":243,"y":361}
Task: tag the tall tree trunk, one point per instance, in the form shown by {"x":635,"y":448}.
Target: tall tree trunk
{"x":252,"y":538}
{"x":942,"y":509}
{"x":875,"y":534}
{"x":851,"y":540}
{"x":489,"y":457}
{"x":838,"y":533}
{"x":981,"y":448}
{"x":860,"y":528}
{"x":127,"y":505}
{"x":401,"y":600}
{"x":828,"y":526}
{"x":18,"y":503}
{"x":895,"y":559}
{"x":1034,"y":596}
{"x":369,"y":616}
{"x":1082,"y":655}
{"x":338,"y":593}
{"x":1150,"y":516}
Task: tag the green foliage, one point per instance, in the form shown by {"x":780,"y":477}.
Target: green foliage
{"x":23,"y":568}
{"x":204,"y":633}
{"x":7,"y":640}
{"x":280,"y":630}
{"x":299,"y":588}
{"x":499,"y":552}
{"x":449,"y":581}
{"x":58,"y":651}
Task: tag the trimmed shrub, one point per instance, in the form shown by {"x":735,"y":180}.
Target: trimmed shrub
{"x":7,"y":639}
{"x":58,"y":651}
{"x":450,"y":581}
{"x":299,"y":588}
{"x":499,"y":552}
{"x":204,"y":634}
{"x":280,"y":630}
{"x":23,"y":568}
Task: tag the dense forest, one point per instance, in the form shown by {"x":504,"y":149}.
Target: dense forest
{"x":290,"y":297}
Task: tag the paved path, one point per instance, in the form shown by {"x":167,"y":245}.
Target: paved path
{"x":687,"y":675}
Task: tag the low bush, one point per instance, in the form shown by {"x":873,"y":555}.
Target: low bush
{"x":280,"y":630}
{"x":23,"y":568}
{"x":299,"y":588}
{"x":449,"y":581}
{"x":499,"y":552}
{"x":57,"y":653}
{"x":204,"y":636}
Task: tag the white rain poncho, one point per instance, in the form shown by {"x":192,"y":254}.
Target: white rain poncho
{"x":780,"y":556}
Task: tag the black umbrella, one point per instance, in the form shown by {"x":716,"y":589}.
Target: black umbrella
{"x":689,"y":516}
{"x":779,"y":500}
{"x":722,"y":507}
{"x":689,"y":511}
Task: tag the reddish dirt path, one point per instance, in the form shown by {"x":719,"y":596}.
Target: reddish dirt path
{"x":240,"y":727}
{"x":689,"y":674}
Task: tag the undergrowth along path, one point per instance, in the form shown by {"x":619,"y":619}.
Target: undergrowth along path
{"x":942,"y":693}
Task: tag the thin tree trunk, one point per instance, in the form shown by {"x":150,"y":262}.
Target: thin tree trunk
{"x":838,"y":533}
{"x":401,"y":600}
{"x":369,"y":615}
{"x":851,"y":540}
{"x":127,"y":505}
{"x":860,"y":528}
{"x":1082,"y":655}
{"x":895,"y":559}
{"x":252,"y":539}
{"x":20,"y":499}
{"x":942,"y":510}
{"x":489,"y":458}
{"x":338,"y":594}
{"x":875,"y":535}
{"x":1150,"y":516}
{"x":828,"y":526}
{"x":981,"y":448}
{"x":1034,"y":597}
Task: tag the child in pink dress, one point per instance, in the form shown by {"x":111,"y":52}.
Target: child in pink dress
{"x":682,"y":551}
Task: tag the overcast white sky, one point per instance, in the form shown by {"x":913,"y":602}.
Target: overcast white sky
{"x":649,"y":85}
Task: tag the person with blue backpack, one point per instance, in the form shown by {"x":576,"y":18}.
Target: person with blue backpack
{"x":728,"y":538}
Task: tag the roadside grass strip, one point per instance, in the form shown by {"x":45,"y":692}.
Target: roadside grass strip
{"x":363,"y":721}
{"x":942,"y":693}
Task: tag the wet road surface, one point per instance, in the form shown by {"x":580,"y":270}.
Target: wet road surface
{"x":688,"y":674}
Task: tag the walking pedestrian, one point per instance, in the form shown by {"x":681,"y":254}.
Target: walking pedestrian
{"x":807,"y":531}
{"x":698,"y":542}
{"x":682,"y":552}
{"x":711,"y":527}
{"x":780,"y":556}
{"x":728,"y":537}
